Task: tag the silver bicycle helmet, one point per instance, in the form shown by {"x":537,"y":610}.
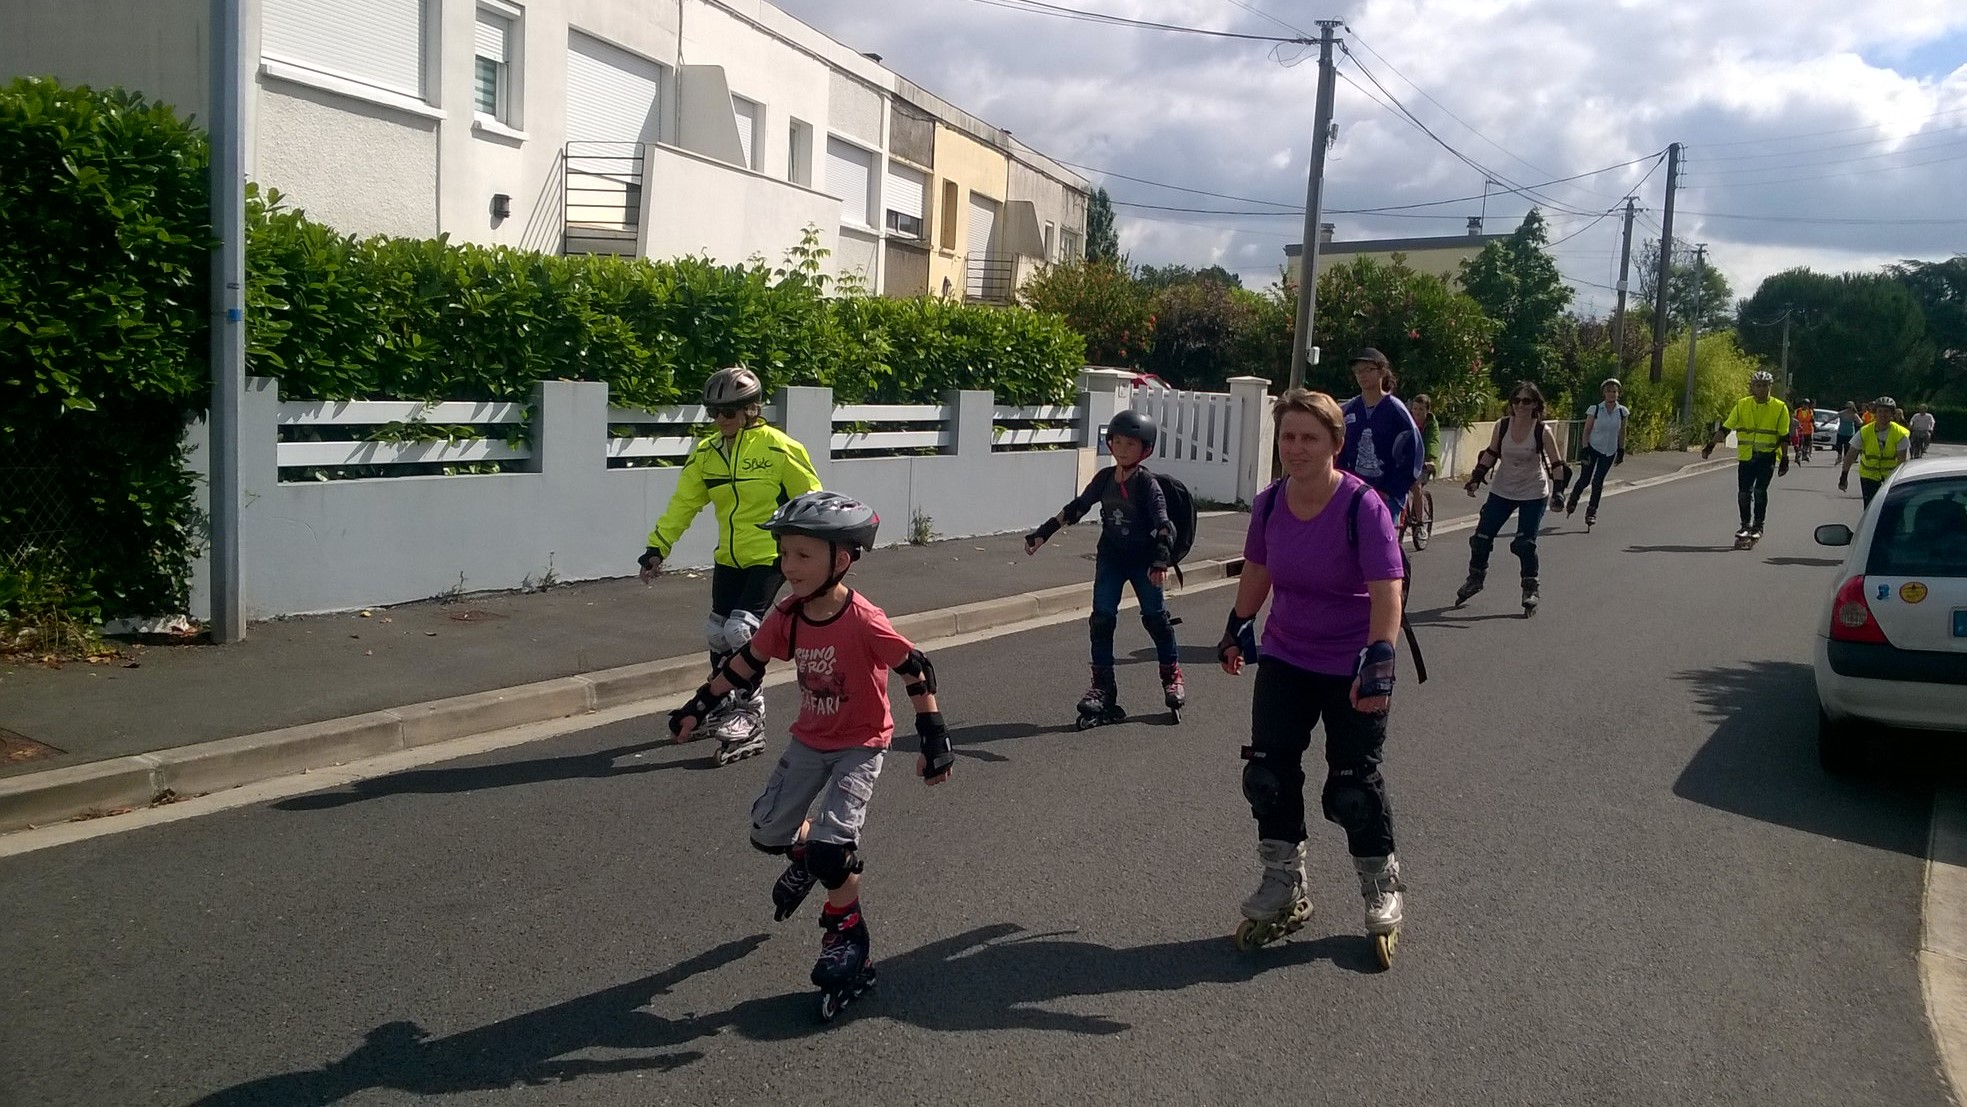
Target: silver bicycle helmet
{"x":828,"y":516}
{"x":731,"y":386}
{"x":1762,"y":376}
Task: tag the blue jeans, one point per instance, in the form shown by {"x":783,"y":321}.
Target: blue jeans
{"x":1495,"y":512}
{"x":1110,"y":580}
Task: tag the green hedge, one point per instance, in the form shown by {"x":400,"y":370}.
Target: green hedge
{"x":104,"y":267}
{"x":337,"y":317}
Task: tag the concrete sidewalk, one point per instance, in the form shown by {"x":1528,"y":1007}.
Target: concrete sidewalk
{"x":336,"y":686}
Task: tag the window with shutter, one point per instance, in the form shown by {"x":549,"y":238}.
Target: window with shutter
{"x":379,"y":43}
{"x":849,"y":173}
{"x":613,"y":96}
{"x":491,"y":92}
{"x":905,"y":200}
{"x":747,"y":113}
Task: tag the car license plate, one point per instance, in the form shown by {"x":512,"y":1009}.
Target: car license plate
{"x":1960,"y":622}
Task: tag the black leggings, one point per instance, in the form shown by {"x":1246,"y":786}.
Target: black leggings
{"x":1752,"y":487}
{"x":1596,"y":465}
{"x":1288,"y":703}
{"x":750,"y":589}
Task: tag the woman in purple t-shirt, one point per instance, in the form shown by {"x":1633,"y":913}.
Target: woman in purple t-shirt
{"x":1325,"y":551}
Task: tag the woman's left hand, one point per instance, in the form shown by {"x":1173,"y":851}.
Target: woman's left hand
{"x":1157,"y":577}
{"x":1372,"y":705}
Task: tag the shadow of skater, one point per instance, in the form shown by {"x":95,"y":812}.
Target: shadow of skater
{"x":996,"y":977}
{"x":963,"y":739}
{"x":1762,"y":762}
{"x":520,"y":1050}
{"x":1188,"y":653}
{"x":1816,"y":562}
{"x":474,"y":778}
{"x":1680,"y":549}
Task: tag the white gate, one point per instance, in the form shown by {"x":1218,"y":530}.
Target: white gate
{"x":1200,"y":432}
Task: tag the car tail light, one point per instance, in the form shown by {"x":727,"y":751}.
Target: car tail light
{"x":1850,"y":615}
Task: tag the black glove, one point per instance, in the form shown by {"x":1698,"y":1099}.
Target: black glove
{"x":1484,"y":462}
{"x":1844,"y":481}
{"x":1163,"y":557}
{"x":651,"y":559}
{"x":1619,"y":458}
{"x":1239,"y":634}
{"x":1782,"y":465}
{"x":1707,"y":451}
{"x":698,"y":708}
{"x":1375,"y":670}
{"x":935,"y":744}
{"x":1043,"y":534}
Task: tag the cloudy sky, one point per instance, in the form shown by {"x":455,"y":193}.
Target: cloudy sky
{"x":1828,"y":133}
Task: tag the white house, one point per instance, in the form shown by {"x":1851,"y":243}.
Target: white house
{"x":721,"y":127}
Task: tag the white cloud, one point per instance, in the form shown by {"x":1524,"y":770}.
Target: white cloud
{"x":1792,"y":111}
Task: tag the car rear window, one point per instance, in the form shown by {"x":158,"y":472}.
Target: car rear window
{"x":1922,"y":530}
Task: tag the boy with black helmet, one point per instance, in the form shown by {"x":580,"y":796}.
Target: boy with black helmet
{"x":1136,"y":547}
{"x":744,"y":471}
{"x":843,"y":647}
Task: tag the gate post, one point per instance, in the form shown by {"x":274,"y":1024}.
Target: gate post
{"x":1252,"y":458}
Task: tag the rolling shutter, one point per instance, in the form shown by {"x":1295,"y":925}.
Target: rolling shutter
{"x":612,"y":95}
{"x":849,"y":171}
{"x":375,"y":42}
{"x":983,"y":226}
{"x":747,"y":113}
{"x":905,"y":187}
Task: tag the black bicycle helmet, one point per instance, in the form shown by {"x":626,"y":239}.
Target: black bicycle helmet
{"x":1132,"y":424}
{"x":828,"y":516}
{"x":731,"y":386}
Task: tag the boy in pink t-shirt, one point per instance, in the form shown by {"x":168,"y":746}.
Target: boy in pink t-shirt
{"x":843,"y":647}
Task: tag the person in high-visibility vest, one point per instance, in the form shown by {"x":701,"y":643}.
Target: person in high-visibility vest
{"x":1761,"y":427}
{"x":1881,"y":447}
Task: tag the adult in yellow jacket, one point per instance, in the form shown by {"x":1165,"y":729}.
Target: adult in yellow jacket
{"x":744,"y":471}
{"x":1761,"y":427}
{"x":1880,"y":447}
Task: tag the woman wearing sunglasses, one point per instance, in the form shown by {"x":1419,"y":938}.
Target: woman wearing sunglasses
{"x":744,"y":471}
{"x":1521,"y":456}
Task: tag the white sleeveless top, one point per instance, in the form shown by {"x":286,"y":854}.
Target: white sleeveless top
{"x":1520,"y":475}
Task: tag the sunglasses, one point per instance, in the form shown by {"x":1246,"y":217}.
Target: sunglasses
{"x":728,"y":411}
{"x":1523,"y":399}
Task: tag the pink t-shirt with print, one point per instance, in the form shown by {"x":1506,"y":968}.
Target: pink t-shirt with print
{"x":843,"y":671}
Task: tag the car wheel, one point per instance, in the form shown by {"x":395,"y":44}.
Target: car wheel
{"x":1839,"y":750}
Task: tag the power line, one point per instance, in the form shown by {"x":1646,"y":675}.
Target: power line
{"x":1831,"y":220}
{"x":1822,"y":134}
{"x":1828,"y":149}
{"x":1183,"y":188}
{"x":1834,"y":176}
{"x":1037,"y":7}
{"x":1742,"y":169}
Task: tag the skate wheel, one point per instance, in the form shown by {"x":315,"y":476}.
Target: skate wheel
{"x":1175,"y":713}
{"x":1246,"y":936}
{"x":1383,"y":946}
{"x":1085,"y":723}
{"x":830,"y":1006}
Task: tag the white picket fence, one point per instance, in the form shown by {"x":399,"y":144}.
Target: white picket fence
{"x":1201,"y":435}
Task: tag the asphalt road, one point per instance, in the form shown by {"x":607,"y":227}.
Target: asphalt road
{"x":1629,"y":884}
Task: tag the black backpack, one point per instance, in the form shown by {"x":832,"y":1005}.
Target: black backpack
{"x":1182,"y":514}
{"x":1276,"y":489}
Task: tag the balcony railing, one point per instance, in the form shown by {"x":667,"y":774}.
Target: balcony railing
{"x":602,"y":197}
{"x":991,"y":279}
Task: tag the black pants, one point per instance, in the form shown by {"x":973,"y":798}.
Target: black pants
{"x":1596,"y":465}
{"x":1869,"y":488}
{"x":1288,"y":703}
{"x":752,"y":589}
{"x":1752,"y":487}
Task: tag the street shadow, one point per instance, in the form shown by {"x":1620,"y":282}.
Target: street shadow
{"x":1761,"y":762}
{"x":963,"y":740}
{"x":1450,"y":618}
{"x":522,"y":1050}
{"x":994,"y":977}
{"x":1681,"y":549}
{"x":1187,"y":654}
{"x":1814,"y":562}
{"x":505,"y":774}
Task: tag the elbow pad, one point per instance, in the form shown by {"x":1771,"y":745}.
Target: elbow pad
{"x":919,"y":673}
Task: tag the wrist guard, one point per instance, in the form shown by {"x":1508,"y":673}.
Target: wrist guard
{"x":1375,"y":670}
{"x":936,"y":753}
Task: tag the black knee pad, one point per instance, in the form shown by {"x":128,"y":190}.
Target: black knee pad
{"x":1523,"y":544}
{"x":776,"y":851}
{"x":831,"y":862}
{"x":1481,"y":543}
{"x":1157,"y":623}
{"x":1103,"y":623}
{"x":1352,"y":798}
{"x":1261,"y":786}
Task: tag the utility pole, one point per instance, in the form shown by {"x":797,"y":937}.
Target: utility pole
{"x":1787,"y":391}
{"x":1619,"y":315}
{"x":1666,"y":262}
{"x":1321,"y":129}
{"x":1693,"y":335}
{"x":228,"y":316}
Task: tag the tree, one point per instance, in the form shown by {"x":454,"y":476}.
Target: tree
{"x":1436,"y":337}
{"x":1711,"y":299}
{"x":1516,"y":283}
{"x":1198,"y":328}
{"x":1851,"y":336}
{"x":1102,"y":241}
{"x":1940,"y":287}
{"x":1158,"y":277}
{"x":1101,"y":301}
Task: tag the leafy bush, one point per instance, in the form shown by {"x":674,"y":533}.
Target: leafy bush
{"x":1101,"y":301}
{"x":337,"y":317}
{"x":1437,"y":338}
{"x":104,"y":249}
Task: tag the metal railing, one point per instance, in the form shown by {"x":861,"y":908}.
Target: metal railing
{"x":601,"y":197}
{"x":990,"y":279}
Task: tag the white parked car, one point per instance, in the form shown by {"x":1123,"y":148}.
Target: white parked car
{"x":1893,"y":649}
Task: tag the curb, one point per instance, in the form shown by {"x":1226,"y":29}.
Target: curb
{"x":1943,"y":936}
{"x":103,"y":787}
